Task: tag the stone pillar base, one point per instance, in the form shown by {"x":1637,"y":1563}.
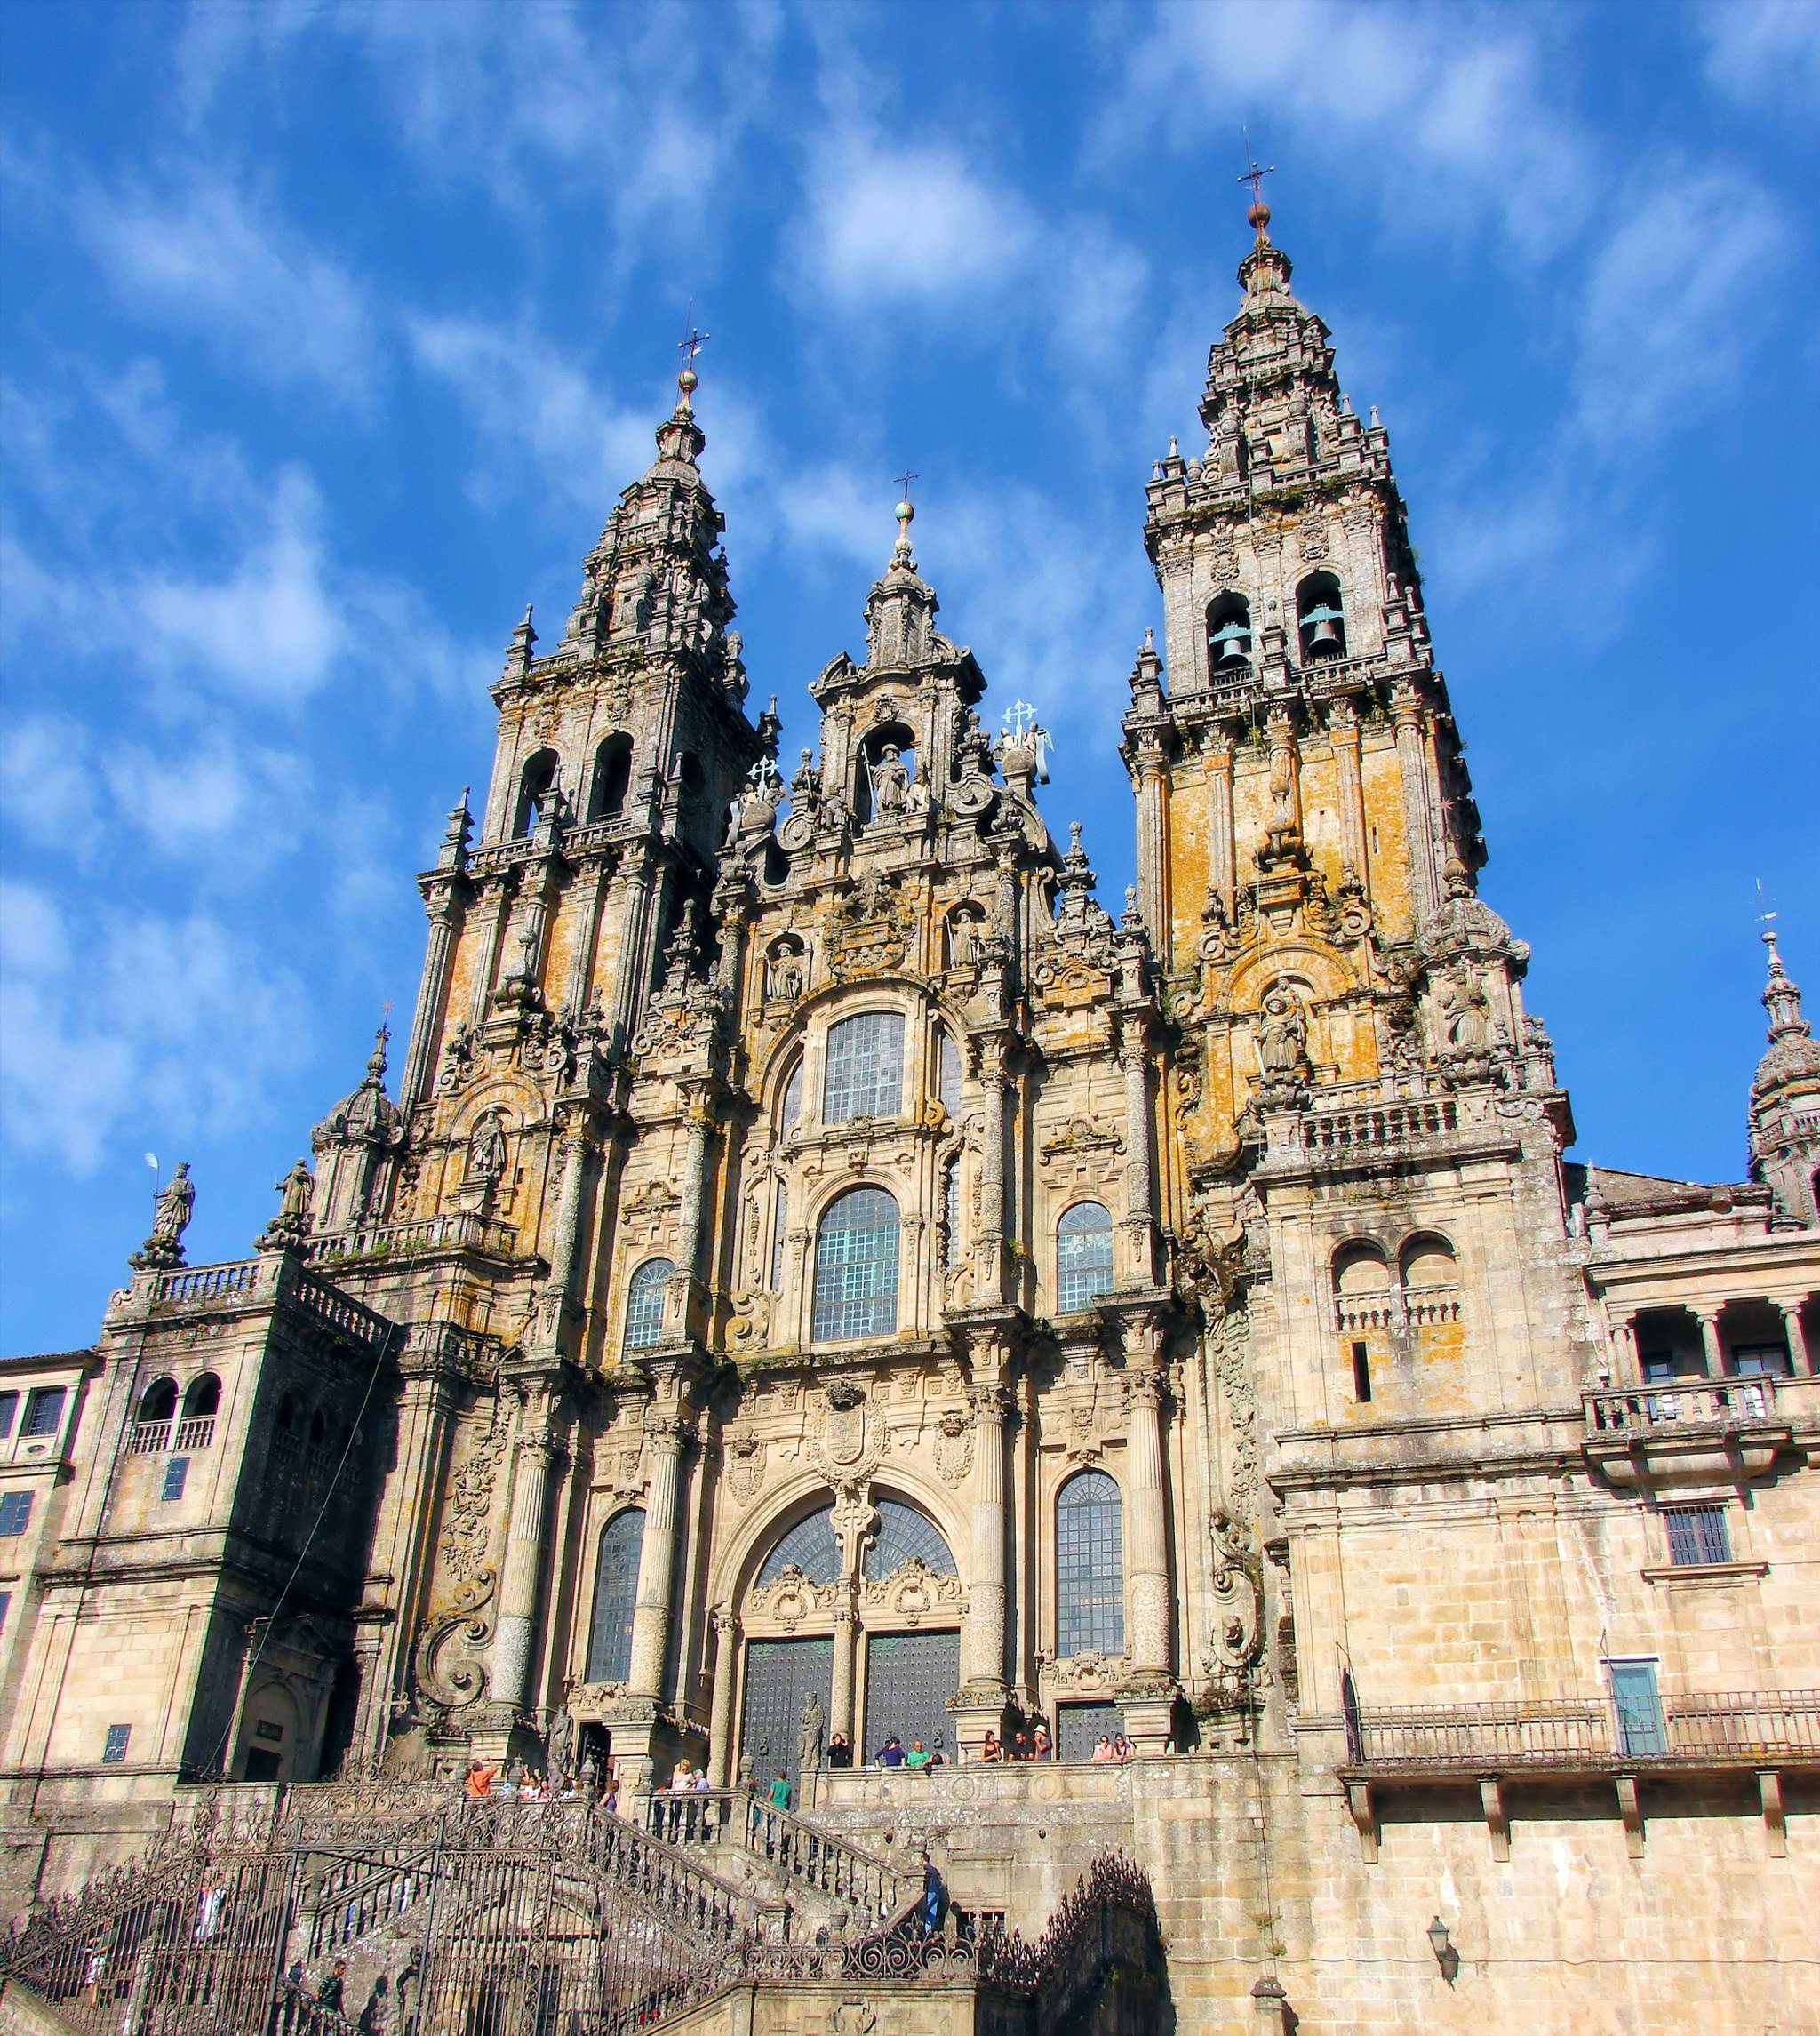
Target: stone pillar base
{"x":979,"y":1709}
{"x":1148,"y":1721}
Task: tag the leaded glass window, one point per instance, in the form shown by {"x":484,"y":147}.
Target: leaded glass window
{"x":948,"y":1066}
{"x":615,"y":1596}
{"x":865,"y":1067}
{"x":904,"y":1533}
{"x":1089,"y":1566}
{"x":644,"y":1304}
{"x":791,"y":1108}
{"x":810,"y":1547}
{"x":780,"y":1211}
{"x":856,"y":1267}
{"x":1083,"y":1255}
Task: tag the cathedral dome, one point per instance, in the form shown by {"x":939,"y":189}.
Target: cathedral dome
{"x":366,"y":1115}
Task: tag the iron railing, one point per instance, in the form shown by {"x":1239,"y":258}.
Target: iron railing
{"x":802,"y":1851}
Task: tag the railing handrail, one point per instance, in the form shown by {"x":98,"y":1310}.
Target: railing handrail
{"x":1714,"y":1403}
{"x":789,"y":1819}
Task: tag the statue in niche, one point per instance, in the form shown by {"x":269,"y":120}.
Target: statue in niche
{"x":1283,"y":1045}
{"x":809,"y":1734}
{"x":786,"y":983}
{"x":963,"y":940}
{"x":486,"y":1153}
{"x":890,"y":784}
{"x":1463,"y":1015}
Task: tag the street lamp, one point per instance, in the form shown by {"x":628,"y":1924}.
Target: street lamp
{"x":1445,"y":1956}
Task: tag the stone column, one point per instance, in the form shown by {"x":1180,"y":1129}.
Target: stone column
{"x":694,"y":1185}
{"x":1624,"y":1352}
{"x":1147,"y":1619}
{"x":1412,"y":761}
{"x":841,"y":1717}
{"x":989,"y":1256}
{"x":520,"y":1585}
{"x":578,"y":1147}
{"x":480,"y":989}
{"x":723,"y":1768}
{"x":1343,"y":732}
{"x":985,"y":1586}
{"x":1709,"y":1342}
{"x":1219,"y":841}
{"x":587,"y":906}
{"x":405,"y":1541}
{"x":418,"y":1071}
{"x":1801,"y":1356}
{"x":634,"y":938}
{"x":666,"y":1437}
{"x":1134,"y":1058}
{"x":1153,"y":846}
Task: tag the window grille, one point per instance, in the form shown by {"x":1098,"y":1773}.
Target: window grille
{"x":1698,"y":1534}
{"x":615,"y":1597}
{"x":15,"y":1511}
{"x":950,"y":1213}
{"x":176,"y":1477}
{"x":865,"y":1067}
{"x":115,"y":1747}
{"x":644,"y":1304}
{"x":856,"y":1267}
{"x":811,"y":1547}
{"x":1083,"y":1255}
{"x":904,"y":1533}
{"x":1089,"y":1566}
{"x":44,"y":1411}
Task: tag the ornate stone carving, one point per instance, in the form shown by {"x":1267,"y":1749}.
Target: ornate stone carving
{"x":1089,"y":1672}
{"x":1231,"y":1366}
{"x":746,"y":1456}
{"x":468,"y":1520}
{"x":953,"y":1447}
{"x":751,"y":1325}
{"x":1079,"y":1140}
{"x":791,"y":1597}
{"x":912,"y":1592}
{"x":444,"y":1669}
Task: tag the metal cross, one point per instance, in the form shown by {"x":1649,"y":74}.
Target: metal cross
{"x":1020,"y":718}
{"x":904,"y":481}
{"x":691,"y":345}
{"x":1255,"y":176}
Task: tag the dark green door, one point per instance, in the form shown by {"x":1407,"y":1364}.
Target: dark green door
{"x":909,"y":1680}
{"x":779,"y":1674}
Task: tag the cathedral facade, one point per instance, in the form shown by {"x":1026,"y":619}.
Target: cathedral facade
{"x":819,"y":1271}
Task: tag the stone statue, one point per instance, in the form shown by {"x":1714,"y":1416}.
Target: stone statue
{"x":1283,"y":1043}
{"x":1461,"y":1008}
{"x":809,"y":1734}
{"x":486,"y":1152}
{"x":786,"y":976}
{"x":290,"y":1227}
{"x":890,"y":784}
{"x":172,"y":1212}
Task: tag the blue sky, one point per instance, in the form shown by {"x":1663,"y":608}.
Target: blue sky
{"x":331,"y":333}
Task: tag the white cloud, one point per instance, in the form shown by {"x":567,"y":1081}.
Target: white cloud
{"x":1765,"y":52}
{"x":110,"y":1019}
{"x":537,"y":411}
{"x":206,"y":259}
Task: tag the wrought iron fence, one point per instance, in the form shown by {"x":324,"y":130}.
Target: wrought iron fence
{"x":806,"y":1854}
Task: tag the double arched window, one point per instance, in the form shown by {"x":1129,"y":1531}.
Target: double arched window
{"x":865,"y":1075}
{"x":856,"y":1267}
{"x":1089,"y":1566}
{"x":615,"y":1597}
{"x":644,"y":1304}
{"x":1083,"y":1255}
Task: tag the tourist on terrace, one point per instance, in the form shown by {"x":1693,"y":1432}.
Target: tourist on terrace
{"x":1121,"y":1747}
{"x":989,"y":1747}
{"x":1043,"y":1747}
{"x":1103,"y":1751}
{"x":918,"y":1755}
{"x":840,"y":1754}
{"x":892,"y":1753}
{"x":480,"y":1779}
{"x":1020,"y":1745}
{"x":932,"y":1896}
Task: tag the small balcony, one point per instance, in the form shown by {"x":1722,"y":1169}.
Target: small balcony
{"x":1492,"y":1746}
{"x":1685,"y":1429}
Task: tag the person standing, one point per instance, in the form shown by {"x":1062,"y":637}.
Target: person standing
{"x":892,"y":1753}
{"x":840,"y":1754}
{"x":1042,"y":1746}
{"x":932,"y":1896}
{"x":918,"y":1755}
{"x":332,"y":1987}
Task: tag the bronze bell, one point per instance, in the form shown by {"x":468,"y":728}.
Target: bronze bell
{"x":1230,"y":643}
{"x":1325,"y":641}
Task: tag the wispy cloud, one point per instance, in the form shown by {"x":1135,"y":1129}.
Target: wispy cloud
{"x":1766,"y":52}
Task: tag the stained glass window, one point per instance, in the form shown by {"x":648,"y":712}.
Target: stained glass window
{"x":1083,"y":1255}
{"x":856,"y":1267}
{"x":810,"y":1547}
{"x":615,"y":1594}
{"x":1089,"y":1566}
{"x":902,"y":1533}
{"x":644,"y":1304}
{"x":865,"y":1067}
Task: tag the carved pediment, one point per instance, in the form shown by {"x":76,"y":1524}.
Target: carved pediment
{"x":793,"y":1596}
{"x":1090,"y":1670}
{"x":913,"y":1590}
{"x":1079,"y":1140}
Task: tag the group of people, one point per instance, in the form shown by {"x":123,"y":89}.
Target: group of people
{"x":1113,"y":1747}
{"x":891,"y":1754}
{"x":1025,"y":1745}
{"x":486,"y":1781}
{"x":376,"y":2018}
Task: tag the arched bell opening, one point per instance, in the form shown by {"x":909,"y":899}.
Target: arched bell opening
{"x":536,"y":783}
{"x":611,"y":779}
{"x":1229,"y":635}
{"x":1321,"y":618}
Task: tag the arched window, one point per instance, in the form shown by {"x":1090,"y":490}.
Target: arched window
{"x":1364,"y":1291}
{"x":1320,"y":617}
{"x":612,"y":779}
{"x":811,"y":1547}
{"x":615,"y":1594}
{"x":1083,"y":1255}
{"x":1089,"y":1566}
{"x":906,"y":1535}
{"x":1428,"y":1261}
{"x":203,"y":1398}
{"x":157,"y":1408}
{"x":1229,"y":632}
{"x":791,"y":1108}
{"x":644,"y":1304}
{"x":534,"y":783}
{"x":865,"y":1075}
{"x":856,"y":1267}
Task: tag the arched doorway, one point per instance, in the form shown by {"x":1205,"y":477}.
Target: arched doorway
{"x":869,"y":1633}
